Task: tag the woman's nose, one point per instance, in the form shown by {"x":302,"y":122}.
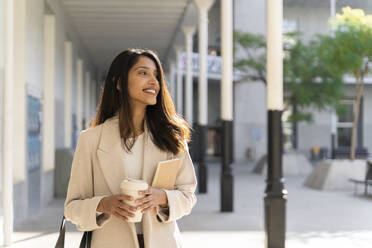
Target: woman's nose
{"x":154,"y":80}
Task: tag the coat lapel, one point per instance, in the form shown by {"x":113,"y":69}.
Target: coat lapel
{"x":151,"y":156}
{"x":111,"y":155}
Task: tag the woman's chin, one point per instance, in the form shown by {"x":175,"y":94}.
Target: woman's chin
{"x":150,"y":102}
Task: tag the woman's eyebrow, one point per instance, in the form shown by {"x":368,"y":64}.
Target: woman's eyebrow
{"x":145,"y":67}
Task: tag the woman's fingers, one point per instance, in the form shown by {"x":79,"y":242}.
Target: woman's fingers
{"x":146,"y":205}
{"x":118,"y":215}
{"x":124,"y":197}
{"x":127,"y":207}
{"x":124,"y":212}
{"x":145,"y":192}
{"x":144,"y":199}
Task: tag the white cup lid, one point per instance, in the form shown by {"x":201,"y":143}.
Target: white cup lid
{"x":133,"y":184}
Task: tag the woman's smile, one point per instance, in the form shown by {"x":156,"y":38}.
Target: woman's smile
{"x":150,"y":91}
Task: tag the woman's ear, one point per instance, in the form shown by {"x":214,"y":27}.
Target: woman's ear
{"x":118,"y":85}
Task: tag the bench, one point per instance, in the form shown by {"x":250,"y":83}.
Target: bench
{"x":367,"y":182}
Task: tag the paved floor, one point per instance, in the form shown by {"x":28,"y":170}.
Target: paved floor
{"x":314,"y":218}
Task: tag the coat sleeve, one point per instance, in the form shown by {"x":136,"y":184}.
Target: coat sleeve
{"x":81,"y":204}
{"x":182,"y":199}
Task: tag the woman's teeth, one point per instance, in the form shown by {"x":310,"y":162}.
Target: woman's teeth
{"x":150,"y":91}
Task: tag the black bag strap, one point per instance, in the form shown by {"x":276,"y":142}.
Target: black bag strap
{"x":86,"y":240}
{"x":84,"y":243}
{"x":62,"y":231}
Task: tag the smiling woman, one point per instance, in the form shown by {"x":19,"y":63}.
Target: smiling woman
{"x":136,"y":126}
{"x":144,"y":97}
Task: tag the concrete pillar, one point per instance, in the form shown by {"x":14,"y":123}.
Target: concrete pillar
{"x":227,"y":179}
{"x":179,"y":98}
{"x":79,"y":95}
{"x":189,"y":32}
{"x":8,"y":130}
{"x":48,"y":144}
{"x":68,"y":95}
{"x":93,"y":98}
{"x":203,"y":7}
{"x":172,"y":79}
{"x":19,"y":58}
{"x":274,"y":55}
{"x":87,"y":113}
{"x":227,"y":61}
{"x":333,"y":8}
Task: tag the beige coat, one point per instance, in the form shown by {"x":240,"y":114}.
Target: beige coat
{"x":97,"y":171}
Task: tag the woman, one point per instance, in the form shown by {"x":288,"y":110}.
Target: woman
{"x":136,"y":126}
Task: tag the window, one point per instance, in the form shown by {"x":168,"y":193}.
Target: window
{"x":287,"y":127}
{"x":345,"y":124}
{"x":289,"y":26}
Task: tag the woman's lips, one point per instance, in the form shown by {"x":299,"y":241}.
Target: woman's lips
{"x":150,"y":91}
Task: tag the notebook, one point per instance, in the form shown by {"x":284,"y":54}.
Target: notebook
{"x":166,"y":174}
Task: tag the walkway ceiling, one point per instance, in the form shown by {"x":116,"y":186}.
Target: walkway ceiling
{"x":108,"y":27}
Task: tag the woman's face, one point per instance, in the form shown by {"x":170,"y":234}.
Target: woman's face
{"x":143,"y":87}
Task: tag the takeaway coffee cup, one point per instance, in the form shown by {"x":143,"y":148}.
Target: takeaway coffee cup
{"x":130,"y":186}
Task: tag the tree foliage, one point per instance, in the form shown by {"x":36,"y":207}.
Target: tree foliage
{"x":307,"y":83}
{"x":349,"y":51}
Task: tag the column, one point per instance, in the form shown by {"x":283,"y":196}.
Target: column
{"x":333,"y":8}
{"x":87,"y":113}
{"x":172,"y":79}
{"x":19,"y":115}
{"x":68,"y":95}
{"x":48,"y":94}
{"x":275,"y":193}
{"x":79,"y":81}
{"x":189,"y":32}
{"x":203,"y":7}
{"x":8,"y":126}
{"x":227,"y":179}
{"x":179,"y":88}
{"x":92,"y":99}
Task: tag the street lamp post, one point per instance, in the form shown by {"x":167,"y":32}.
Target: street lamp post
{"x":227,"y":179}
{"x":275,"y":194}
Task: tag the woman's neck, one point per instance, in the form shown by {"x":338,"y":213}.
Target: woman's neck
{"x":138,"y":119}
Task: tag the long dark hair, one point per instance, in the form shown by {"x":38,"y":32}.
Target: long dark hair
{"x":168,"y":129}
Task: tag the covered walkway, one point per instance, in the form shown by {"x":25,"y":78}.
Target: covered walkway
{"x":315,"y":218}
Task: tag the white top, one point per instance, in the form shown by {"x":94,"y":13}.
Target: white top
{"x":133,"y":162}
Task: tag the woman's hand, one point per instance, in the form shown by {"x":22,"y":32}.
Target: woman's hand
{"x":113,"y":205}
{"x":153,"y":198}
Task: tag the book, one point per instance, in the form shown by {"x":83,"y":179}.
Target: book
{"x":166,"y":174}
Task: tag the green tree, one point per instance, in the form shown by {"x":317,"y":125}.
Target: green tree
{"x":349,"y":51}
{"x":307,"y":84}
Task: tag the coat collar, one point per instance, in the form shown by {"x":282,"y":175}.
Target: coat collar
{"x":110,"y":155}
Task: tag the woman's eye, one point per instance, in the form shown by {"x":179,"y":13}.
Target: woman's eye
{"x":143,"y":73}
